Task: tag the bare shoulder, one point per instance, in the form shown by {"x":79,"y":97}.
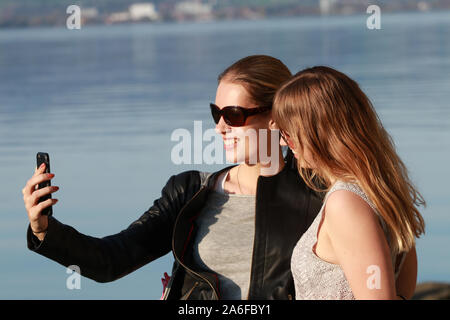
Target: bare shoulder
{"x":346,"y":204}
{"x":346,"y":210}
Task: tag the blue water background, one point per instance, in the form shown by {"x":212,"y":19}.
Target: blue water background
{"x":104,"y":100}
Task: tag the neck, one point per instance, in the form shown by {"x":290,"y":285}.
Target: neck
{"x":249,"y":173}
{"x":273,"y":167}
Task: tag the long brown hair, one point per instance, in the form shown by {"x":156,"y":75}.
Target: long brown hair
{"x":326,"y":113}
{"x":261,"y":76}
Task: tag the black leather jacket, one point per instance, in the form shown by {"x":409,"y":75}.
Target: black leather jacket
{"x":285,"y":208}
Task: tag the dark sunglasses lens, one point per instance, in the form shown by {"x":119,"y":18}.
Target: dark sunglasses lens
{"x":234,"y":116}
{"x":215,"y":112}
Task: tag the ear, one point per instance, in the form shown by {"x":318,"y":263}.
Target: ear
{"x":272,"y":125}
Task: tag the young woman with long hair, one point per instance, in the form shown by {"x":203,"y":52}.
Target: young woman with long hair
{"x":362,"y":243}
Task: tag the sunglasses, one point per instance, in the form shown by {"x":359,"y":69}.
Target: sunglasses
{"x":234,"y":116}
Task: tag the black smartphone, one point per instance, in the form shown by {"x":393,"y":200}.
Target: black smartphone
{"x":42,"y":157}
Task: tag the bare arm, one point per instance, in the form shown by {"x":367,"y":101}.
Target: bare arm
{"x":360,"y":246}
{"x":407,"y":279}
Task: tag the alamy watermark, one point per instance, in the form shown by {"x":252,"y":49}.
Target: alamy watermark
{"x":374,"y":280}
{"x":74,"y":280}
{"x":374,"y":20}
{"x":250,"y":145}
{"x":74,"y":20}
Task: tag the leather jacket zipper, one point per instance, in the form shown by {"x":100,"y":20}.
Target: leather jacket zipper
{"x":253,"y":249}
{"x":192,"y":289}
{"x":175,"y":254}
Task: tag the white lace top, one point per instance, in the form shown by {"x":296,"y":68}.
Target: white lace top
{"x":316,"y":279}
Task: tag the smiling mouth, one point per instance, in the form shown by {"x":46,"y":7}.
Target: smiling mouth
{"x":230,"y":143}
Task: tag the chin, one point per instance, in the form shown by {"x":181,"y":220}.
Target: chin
{"x":230,"y":156}
{"x":240,"y":157}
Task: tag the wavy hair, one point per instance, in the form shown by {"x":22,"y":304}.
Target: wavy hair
{"x":326,"y":113}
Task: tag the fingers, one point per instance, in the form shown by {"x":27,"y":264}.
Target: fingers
{"x":31,"y":200}
{"x":30,"y":192}
{"x":39,"y":169}
{"x":38,"y":177}
{"x":44,"y":191}
{"x":28,"y":189}
{"x":37,"y":209}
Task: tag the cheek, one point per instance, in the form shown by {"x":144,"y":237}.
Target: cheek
{"x":247,"y":148}
{"x":238,"y":132}
{"x":248,"y":137}
{"x":290,"y":144}
{"x":249,"y":143}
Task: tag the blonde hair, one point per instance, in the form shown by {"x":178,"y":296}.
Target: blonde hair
{"x":326,"y":112}
{"x":260,"y":75}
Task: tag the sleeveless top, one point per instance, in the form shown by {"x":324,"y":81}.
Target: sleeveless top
{"x":316,"y":279}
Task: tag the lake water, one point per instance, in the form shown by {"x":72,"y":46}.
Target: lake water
{"x":104,"y":100}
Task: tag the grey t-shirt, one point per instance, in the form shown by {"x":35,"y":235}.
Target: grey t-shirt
{"x":224,"y":241}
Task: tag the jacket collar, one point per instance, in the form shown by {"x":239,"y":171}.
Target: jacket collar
{"x":211,"y":178}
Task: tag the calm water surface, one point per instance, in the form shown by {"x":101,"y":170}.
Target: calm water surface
{"x":104,"y":100}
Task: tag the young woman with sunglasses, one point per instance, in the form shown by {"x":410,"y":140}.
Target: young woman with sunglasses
{"x":362,"y":243}
{"x":231,"y":232}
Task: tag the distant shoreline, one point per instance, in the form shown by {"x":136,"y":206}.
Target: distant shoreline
{"x":432,"y":291}
{"x":62,"y":25}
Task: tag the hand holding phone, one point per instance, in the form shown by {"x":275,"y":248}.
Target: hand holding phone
{"x":37,"y":198}
{"x":44,"y":158}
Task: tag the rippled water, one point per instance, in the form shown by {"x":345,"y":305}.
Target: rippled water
{"x":104,"y":100}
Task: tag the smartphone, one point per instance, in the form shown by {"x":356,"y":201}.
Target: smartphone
{"x":42,"y":157}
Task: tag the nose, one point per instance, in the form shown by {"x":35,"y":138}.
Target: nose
{"x":221,"y":127}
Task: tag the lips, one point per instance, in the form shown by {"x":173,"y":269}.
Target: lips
{"x":229,"y":143}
